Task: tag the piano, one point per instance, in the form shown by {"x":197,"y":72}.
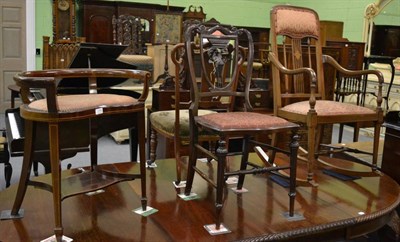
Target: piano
{"x":90,"y":55}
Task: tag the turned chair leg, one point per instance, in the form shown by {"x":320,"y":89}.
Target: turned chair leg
{"x":293,"y":146}
{"x":140,"y":127}
{"x":222,"y":152}
{"x":153,"y":146}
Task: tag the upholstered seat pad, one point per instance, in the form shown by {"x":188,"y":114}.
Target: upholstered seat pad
{"x":136,"y":59}
{"x":327,"y":108}
{"x":75,"y":103}
{"x":243,"y":121}
{"x":256,"y":65}
{"x":165,"y":120}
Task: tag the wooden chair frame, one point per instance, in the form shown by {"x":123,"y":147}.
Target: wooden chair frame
{"x":295,"y":79}
{"x":115,"y":113}
{"x":221,"y":58}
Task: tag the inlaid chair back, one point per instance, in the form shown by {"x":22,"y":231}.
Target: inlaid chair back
{"x":298,"y":82}
{"x":215,"y":60}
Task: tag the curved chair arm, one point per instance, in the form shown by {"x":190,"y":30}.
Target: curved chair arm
{"x":330,"y":60}
{"x":31,"y":79}
{"x":305,"y":70}
{"x":274,"y":60}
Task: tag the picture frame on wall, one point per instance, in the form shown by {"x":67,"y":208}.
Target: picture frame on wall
{"x":168,"y":28}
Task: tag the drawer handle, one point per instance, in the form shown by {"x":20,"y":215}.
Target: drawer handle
{"x":173,"y":97}
{"x":257,"y":104}
{"x":257,"y":95}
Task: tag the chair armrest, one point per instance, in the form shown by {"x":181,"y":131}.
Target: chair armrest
{"x":330,"y":60}
{"x":305,"y":70}
{"x":48,"y":80}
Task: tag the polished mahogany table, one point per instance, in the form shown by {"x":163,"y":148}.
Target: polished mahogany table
{"x":335,"y":209}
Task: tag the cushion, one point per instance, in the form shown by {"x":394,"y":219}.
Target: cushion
{"x":165,"y":120}
{"x":327,"y":108}
{"x":256,"y":65}
{"x":76,"y":103}
{"x":243,"y":121}
{"x":297,"y":22}
{"x":136,"y":59}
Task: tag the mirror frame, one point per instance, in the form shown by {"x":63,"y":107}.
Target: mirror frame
{"x":371,"y":11}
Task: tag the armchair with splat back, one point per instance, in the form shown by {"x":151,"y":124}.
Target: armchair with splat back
{"x":299,"y":91}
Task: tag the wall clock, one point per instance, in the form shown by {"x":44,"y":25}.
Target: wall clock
{"x":64,"y":21}
{"x":63,"y":5}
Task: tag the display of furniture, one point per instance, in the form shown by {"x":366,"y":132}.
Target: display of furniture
{"x":299,"y":91}
{"x":221,"y":58}
{"x":97,"y":113}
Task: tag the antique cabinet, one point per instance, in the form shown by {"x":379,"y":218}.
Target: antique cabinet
{"x":96,"y":17}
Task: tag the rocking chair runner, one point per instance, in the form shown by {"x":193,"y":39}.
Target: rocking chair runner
{"x":298,"y":85}
{"x":221,"y":59}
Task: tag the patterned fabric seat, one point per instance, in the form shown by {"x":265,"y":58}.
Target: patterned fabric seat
{"x":164,"y":121}
{"x":79,"y":103}
{"x":327,"y":108}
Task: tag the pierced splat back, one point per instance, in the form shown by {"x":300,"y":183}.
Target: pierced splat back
{"x":219,"y":56}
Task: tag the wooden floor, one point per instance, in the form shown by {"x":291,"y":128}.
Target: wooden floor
{"x":333,"y":210}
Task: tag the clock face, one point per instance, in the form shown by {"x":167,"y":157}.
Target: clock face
{"x":63,"y":5}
